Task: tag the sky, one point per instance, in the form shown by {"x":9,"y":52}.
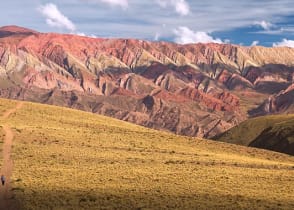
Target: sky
{"x":251,"y":22}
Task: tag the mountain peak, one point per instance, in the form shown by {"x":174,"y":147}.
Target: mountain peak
{"x":16,"y":29}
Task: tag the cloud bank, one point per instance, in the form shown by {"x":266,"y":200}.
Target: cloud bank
{"x":227,"y":19}
{"x":284,"y":43}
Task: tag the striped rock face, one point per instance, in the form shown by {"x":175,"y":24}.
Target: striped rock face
{"x":196,"y":89}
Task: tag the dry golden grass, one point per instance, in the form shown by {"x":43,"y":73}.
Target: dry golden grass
{"x":67,"y":159}
{"x":6,"y":104}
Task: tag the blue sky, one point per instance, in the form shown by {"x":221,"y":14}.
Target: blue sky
{"x":261,"y":22}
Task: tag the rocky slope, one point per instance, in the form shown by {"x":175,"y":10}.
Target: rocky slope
{"x":283,"y":102}
{"x":197,"y":89}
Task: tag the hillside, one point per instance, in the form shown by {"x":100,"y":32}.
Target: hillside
{"x":69,"y":159}
{"x":195,"y":90}
{"x":274,"y":132}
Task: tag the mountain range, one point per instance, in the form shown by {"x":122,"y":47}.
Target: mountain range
{"x":194,"y":89}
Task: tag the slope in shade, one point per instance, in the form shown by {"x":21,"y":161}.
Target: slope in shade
{"x":269,"y":132}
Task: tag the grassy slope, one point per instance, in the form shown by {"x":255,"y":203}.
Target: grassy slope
{"x":67,"y":159}
{"x":249,"y":130}
{"x":278,"y":137}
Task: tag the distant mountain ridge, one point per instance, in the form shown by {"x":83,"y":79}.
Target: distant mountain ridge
{"x":195,"y":89}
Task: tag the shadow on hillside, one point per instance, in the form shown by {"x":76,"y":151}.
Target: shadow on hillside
{"x":276,"y":140}
{"x":4,"y":34}
{"x":143,"y":200}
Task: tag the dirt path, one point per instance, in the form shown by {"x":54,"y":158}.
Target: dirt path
{"x":5,"y":191}
{"x":11,"y":111}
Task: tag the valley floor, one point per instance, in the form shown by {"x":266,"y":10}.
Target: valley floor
{"x":67,"y":159}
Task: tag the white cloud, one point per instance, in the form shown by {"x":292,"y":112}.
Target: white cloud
{"x":181,"y":6}
{"x":184,"y":35}
{"x":81,"y":34}
{"x":284,"y":43}
{"x":227,"y":41}
{"x":122,"y":3}
{"x":55,"y":18}
{"x":265,"y":25}
{"x":254,"y":43}
{"x":85,"y":35}
{"x":282,"y":30}
{"x":157,"y":36}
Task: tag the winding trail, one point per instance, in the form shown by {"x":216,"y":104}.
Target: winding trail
{"x":5,"y":191}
